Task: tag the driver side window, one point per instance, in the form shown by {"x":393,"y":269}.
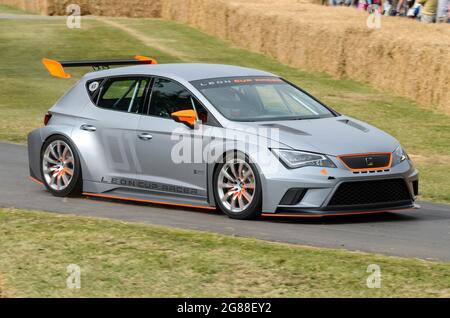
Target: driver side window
{"x":169,"y":97}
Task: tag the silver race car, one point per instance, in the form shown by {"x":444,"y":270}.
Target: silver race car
{"x":214,"y":136}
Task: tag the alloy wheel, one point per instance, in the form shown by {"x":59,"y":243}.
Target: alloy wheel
{"x":236,"y":185}
{"x":58,"y":165}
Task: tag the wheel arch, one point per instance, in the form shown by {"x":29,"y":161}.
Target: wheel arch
{"x":47,"y":137}
{"x":73,"y":144}
{"x":36,"y":140}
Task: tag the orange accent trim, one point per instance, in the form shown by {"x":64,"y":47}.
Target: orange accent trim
{"x":55,"y":68}
{"x":332,"y":214}
{"x":62,"y":172}
{"x":367,"y":154}
{"x":324,"y":172}
{"x":145,"y":58}
{"x":36,"y":180}
{"x":185,"y":116}
{"x":147,"y":201}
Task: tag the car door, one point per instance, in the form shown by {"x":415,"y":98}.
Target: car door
{"x":107,"y":130}
{"x":165,"y":158}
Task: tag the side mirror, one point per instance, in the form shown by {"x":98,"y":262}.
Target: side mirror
{"x":187,"y":117}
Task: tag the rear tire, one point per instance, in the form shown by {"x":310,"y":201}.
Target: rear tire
{"x":237,"y":187}
{"x":60,"y":167}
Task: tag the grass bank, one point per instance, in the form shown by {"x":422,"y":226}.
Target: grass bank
{"x":6,"y":9}
{"x":27,"y":91}
{"x":119,"y":259}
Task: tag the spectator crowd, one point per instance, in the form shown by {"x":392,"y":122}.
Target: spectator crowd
{"x":426,"y":11}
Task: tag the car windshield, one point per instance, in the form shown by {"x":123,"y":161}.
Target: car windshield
{"x":260,"y":99}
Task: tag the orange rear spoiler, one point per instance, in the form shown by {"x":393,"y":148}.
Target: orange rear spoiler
{"x":56,"y":68}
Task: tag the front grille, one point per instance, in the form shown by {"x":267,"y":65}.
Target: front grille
{"x":371,"y":194}
{"x":370,"y":171}
{"x":368,"y":161}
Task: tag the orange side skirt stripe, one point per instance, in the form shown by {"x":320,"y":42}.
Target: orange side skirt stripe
{"x":147,"y":201}
{"x":36,"y":180}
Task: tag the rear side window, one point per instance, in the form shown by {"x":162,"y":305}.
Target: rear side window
{"x":122,"y":94}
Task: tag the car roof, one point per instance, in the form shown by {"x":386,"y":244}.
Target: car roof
{"x":186,"y":71}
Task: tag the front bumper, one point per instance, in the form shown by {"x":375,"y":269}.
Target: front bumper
{"x":321,"y":185}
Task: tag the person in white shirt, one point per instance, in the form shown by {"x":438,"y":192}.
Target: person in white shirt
{"x":442,"y":11}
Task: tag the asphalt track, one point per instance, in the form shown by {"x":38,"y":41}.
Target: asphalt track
{"x":423,"y":233}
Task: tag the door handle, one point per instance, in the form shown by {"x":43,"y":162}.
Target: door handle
{"x":145,"y":136}
{"x":88,"y":127}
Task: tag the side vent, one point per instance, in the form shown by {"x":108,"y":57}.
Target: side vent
{"x":293,"y":196}
{"x":416,"y":187}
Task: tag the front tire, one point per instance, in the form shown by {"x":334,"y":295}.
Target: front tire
{"x":60,"y":167}
{"x":237,"y":187}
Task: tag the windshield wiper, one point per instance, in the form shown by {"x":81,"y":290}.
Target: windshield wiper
{"x":311,"y":117}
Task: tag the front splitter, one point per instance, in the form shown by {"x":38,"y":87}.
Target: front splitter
{"x":321,"y":213}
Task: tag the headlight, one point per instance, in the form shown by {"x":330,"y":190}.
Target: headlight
{"x":297,"y":159}
{"x":400,"y":155}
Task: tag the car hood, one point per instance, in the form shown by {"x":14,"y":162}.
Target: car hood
{"x":332,"y":136}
